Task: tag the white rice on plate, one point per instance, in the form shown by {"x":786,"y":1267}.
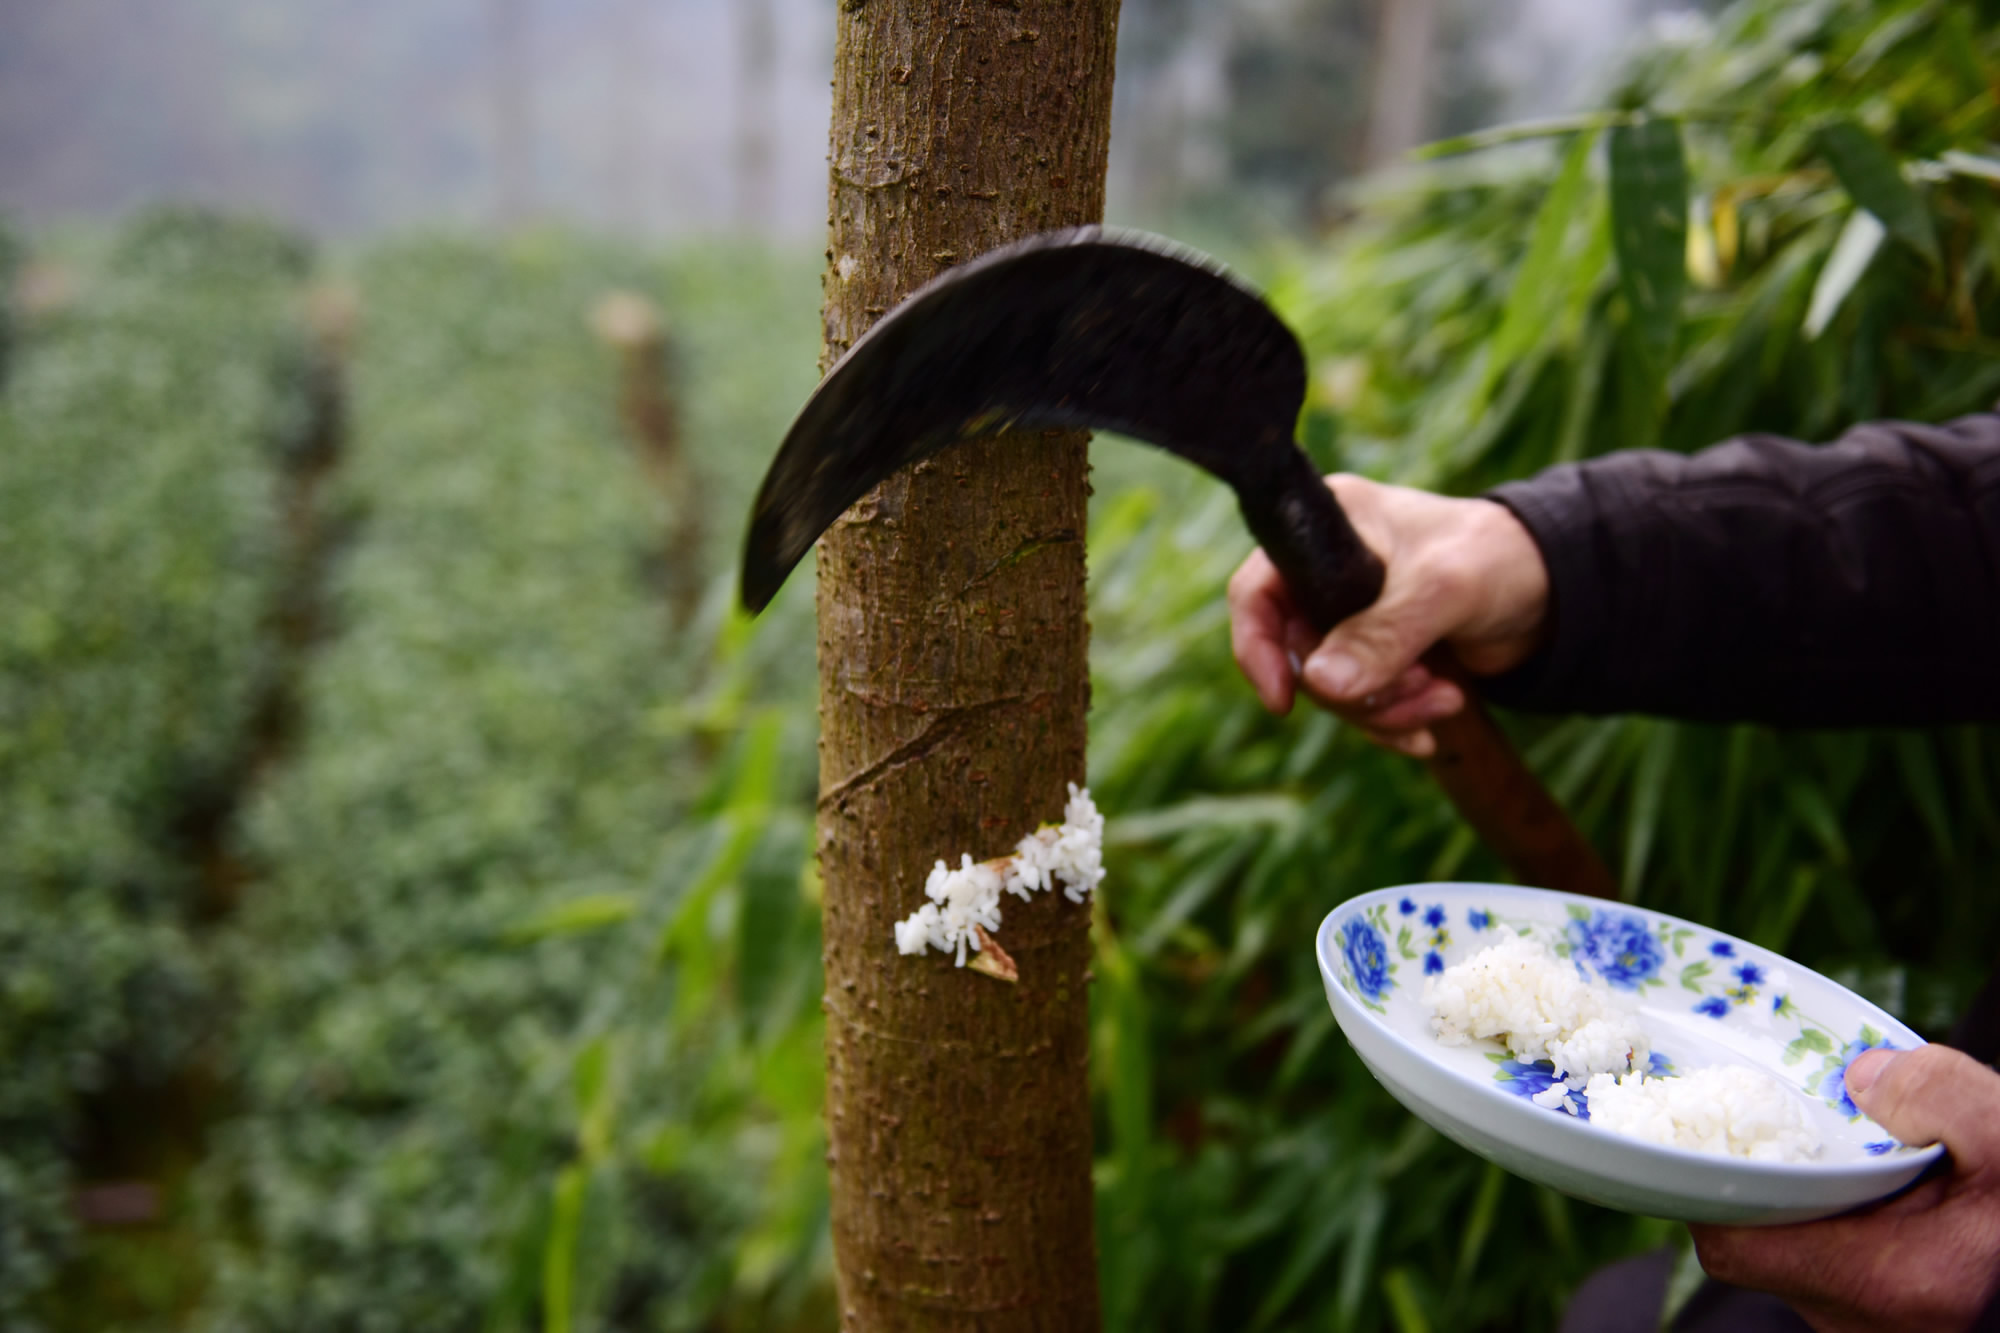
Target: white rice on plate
{"x":1728,"y":1109}
{"x":1541,"y":1007}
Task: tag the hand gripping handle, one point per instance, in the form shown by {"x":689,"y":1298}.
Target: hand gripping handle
{"x":1331,"y":574}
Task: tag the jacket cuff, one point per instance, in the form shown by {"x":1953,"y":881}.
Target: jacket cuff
{"x":1560,"y":515}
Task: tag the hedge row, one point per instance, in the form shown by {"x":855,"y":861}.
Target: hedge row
{"x":477,"y":769}
{"x":141,"y":438}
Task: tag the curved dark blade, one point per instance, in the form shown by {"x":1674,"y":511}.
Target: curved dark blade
{"x":1070,"y":329}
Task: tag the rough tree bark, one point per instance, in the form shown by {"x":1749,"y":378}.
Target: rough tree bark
{"x":631,"y":325}
{"x":756,"y":111}
{"x":513,"y":111}
{"x":1402,"y":84}
{"x":953,"y":687}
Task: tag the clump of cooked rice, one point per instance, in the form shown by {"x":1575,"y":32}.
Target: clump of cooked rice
{"x":1728,"y":1109}
{"x":1541,"y":1008}
{"x":965,"y":901}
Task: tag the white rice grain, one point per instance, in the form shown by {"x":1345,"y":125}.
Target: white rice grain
{"x":1726,"y":1109}
{"x":1540,"y":1007}
{"x":967,"y":900}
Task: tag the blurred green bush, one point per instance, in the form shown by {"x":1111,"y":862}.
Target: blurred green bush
{"x":524,"y":1024}
{"x":141,"y":436}
{"x":1475,"y":322}
{"x":435,"y":1034}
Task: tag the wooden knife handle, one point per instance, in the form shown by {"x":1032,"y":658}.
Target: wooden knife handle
{"x":1331,"y":575}
{"x":1503,"y":800}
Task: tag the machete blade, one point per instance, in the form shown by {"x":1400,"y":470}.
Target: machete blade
{"x":1077,"y":329}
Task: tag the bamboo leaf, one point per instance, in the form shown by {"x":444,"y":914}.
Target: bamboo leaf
{"x":1311,"y":1248}
{"x":1479,"y":1222}
{"x":1649,"y":208}
{"x":1704,"y":259}
{"x":1539,"y":285}
{"x":1305,"y":1043}
{"x":559,"y":1251}
{"x":1403,"y":1307}
{"x":1122,"y":1051}
{"x":1781,"y":917}
{"x":1640,"y":400}
{"x":1925,"y":788}
{"x":576,"y":916}
{"x":1649,"y":781}
{"x":1195,"y":890}
{"x":593,"y":1080}
{"x":770,"y":904}
{"x":1812,"y":809}
{"x":1359,"y":1263}
{"x":1519,"y":132}
{"x":731,"y":838}
{"x":1556,"y":1220}
{"x":1268,"y":810}
{"x":1872,"y":179}
{"x":1972,"y":165}
{"x":741,"y":808}
{"x":1849,"y":259}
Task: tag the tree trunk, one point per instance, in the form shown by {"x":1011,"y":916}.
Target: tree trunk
{"x":756,"y":111}
{"x":627,"y":131}
{"x":953,"y":687}
{"x":1402,"y":83}
{"x":513,"y":113}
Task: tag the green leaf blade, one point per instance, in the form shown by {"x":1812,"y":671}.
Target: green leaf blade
{"x":1537,"y":294}
{"x":1845,"y":264}
{"x":1869,"y":173}
{"x":1649,"y":207}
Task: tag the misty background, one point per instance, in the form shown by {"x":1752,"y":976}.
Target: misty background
{"x":666,"y":118}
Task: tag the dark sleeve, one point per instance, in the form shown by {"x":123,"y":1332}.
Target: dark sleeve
{"x":1852,"y":583}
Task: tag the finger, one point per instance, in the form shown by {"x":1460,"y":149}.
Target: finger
{"x":1933,"y":1094}
{"x":1260,"y":613}
{"x":1300,"y":640}
{"x":1437,"y":701}
{"x":1413,"y":681}
{"x":1417,"y":744}
{"x":1362,"y":655}
{"x":1917,"y":1251}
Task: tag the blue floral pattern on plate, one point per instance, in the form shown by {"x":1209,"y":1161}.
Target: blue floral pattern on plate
{"x":1368,"y":973}
{"x":1620,"y":947}
{"x":1531,"y":1080}
{"x":1526,"y":1080}
{"x":1426,"y":940}
{"x":1627,"y":952}
{"x":1803,"y":1028}
{"x":1832,"y":1078}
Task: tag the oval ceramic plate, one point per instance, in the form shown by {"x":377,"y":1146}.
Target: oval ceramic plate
{"x":1705,"y":999}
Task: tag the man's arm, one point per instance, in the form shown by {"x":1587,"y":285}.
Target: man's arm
{"x":1844,"y":584}
{"x":1851,"y":583}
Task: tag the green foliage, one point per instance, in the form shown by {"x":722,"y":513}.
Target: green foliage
{"x":475,"y":1090}
{"x":10,"y":263}
{"x":140,"y":438}
{"x":525,"y":987}
{"x":1648,"y":188}
{"x":469,"y":768}
{"x":1476,"y":324}
{"x":1874,"y":180}
{"x":1251,"y":1172}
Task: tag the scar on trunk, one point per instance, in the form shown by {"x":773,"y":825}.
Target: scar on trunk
{"x":1027,"y":547}
{"x":948,"y":724}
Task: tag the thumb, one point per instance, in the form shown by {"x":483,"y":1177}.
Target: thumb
{"x":1366,"y":652}
{"x":1933,"y":1094}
